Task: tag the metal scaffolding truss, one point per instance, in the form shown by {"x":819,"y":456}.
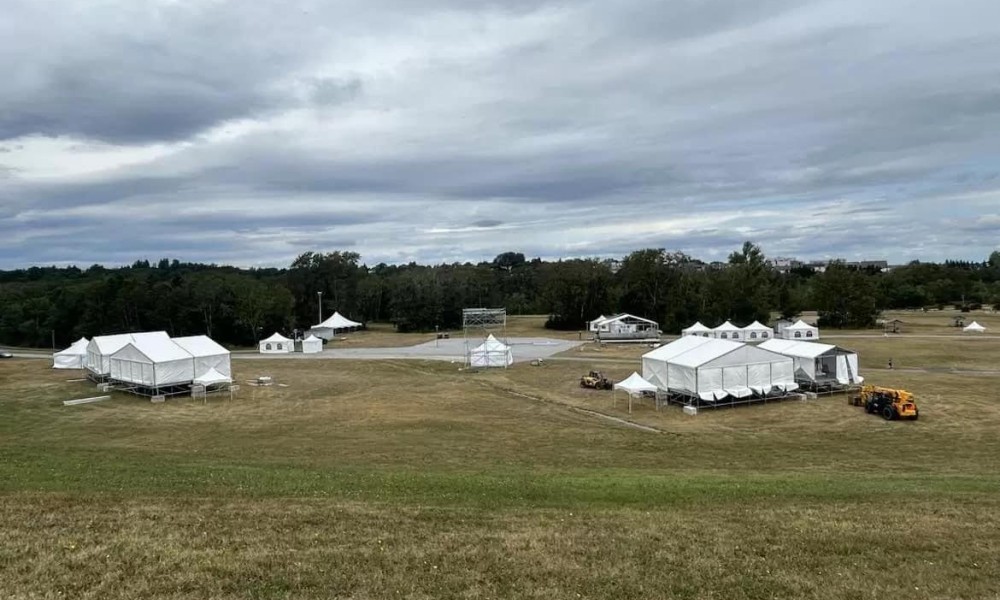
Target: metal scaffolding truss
{"x":478,"y":323}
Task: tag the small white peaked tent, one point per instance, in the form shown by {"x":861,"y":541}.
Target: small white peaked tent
{"x":335,"y":323}
{"x":713,"y":369}
{"x":728,"y":331}
{"x":635,"y":384}
{"x":312,"y":345}
{"x":152,"y":362}
{"x":206,"y":353}
{"x":800,"y":330}
{"x":816,"y":362}
{"x":74,"y":357}
{"x":212,"y":377}
{"x":698,"y":329}
{"x":757,"y":331}
{"x":276,"y":344}
{"x":491,"y":353}
{"x":974,"y":327}
{"x":101,"y":347}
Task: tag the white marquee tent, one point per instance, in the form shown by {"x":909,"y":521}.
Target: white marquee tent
{"x":800,"y":330}
{"x":757,"y":331}
{"x":312,"y":345}
{"x":713,"y":369}
{"x":74,"y":357}
{"x":206,"y":353}
{"x":152,"y":362}
{"x":815,"y":362}
{"x":974,"y":327}
{"x":697,"y":329}
{"x":101,"y":347}
{"x":276,"y":344}
{"x":491,"y":353}
{"x":633,"y":385}
{"x":335,"y":323}
{"x":728,"y":331}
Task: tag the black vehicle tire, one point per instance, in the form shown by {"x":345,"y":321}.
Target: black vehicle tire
{"x":888,"y":413}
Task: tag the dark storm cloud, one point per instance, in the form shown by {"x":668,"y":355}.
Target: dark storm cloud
{"x":444,"y":131}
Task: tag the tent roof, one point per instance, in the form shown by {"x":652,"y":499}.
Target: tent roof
{"x":312,"y":338}
{"x":757,"y":325}
{"x":492,"y":345}
{"x":706,"y":352}
{"x":78,"y":347}
{"x":109,"y":344}
{"x":727,"y":326}
{"x":697,"y":327}
{"x":676,"y":347}
{"x":158,"y":349}
{"x":800,"y":324}
{"x":211,"y":377}
{"x":200,"y":345}
{"x":973,"y":326}
{"x":277,"y":337}
{"x":337,"y":321}
{"x":634,"y":384}
{"x":796,"y":348}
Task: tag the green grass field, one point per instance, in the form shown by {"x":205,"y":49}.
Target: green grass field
{"x":416,"y":480}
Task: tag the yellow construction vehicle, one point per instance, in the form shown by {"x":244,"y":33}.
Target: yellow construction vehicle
{"x":595,"y":380}
{"x":890,"y":403}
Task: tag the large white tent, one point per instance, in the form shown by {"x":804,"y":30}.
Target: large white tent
{"x":152,"y":362}
{"x":491,"y":353}
{"x":276,"y":344}
{"x":74,"y":357}
{"x":698,"y":329}
{"x":713,"y":369}
{"x":728,"y":331}
{"x":312,"y":345}
{"x":206,"y":353}
{"x":816,"y":362}
{"x":335,"y":323}
{"x":100,"y":349}
{"x":800,"y":330}
{"x":974,"y":328}
{"x":757,"y":331}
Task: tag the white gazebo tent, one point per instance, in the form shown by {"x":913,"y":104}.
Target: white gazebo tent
{"x":74,"y":357}
{"x":276,"y":344}
{"x":153,"y":363}
{"x":335,"y":323}
{"x":312,"y":345}
{"x":757,"y":332}
{"x":491,"y":353}
{"x":212,"y":377}
{"x":101,"y":347}
{"x":728,"y":331}
{"x":800,"y":330}
{"x":697,"y":329}
{"x":974,"y":328}
{"x":633,"y":385}
{"x":713,"y":369}
{"x":207,"y":353}
{"x":816,"y":362}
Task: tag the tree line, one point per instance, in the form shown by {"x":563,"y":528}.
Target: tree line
{"x":42,"y":305}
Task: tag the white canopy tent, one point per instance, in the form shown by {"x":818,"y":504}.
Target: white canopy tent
{"x":815,"y":362}
{"x":152,"y":362}
{"x":335,"y":323}
{"x":800,"y":330}
{"x":757,"y":331}
{"x":728,"y":331}
{"x":974,"y":328}
{"x":713,"y":369}
{"x":633,"y":385}
{"x":74,"y":357}
{"x":101,"y":347}
{"x":212,"y":377}
{"x":276,"y":344}
{"x":697,"y":329}
{"x":207,"y":354}
{"x":491,"y":353}
{"x":312,"y":345}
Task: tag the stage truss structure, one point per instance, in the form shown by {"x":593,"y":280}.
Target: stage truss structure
{"x":478,"y":324}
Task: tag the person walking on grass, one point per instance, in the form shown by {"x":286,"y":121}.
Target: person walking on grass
{"x":890,"y":364}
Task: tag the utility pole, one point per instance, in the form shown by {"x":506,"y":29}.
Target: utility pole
{"x":320,"y":295}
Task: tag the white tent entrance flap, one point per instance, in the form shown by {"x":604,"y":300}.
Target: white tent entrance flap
{"x":74,"y":357}
{"x":491,"y":353}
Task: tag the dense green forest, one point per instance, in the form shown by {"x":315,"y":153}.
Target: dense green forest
{"x":238,"y":306}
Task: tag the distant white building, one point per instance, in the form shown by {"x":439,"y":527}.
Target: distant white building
{"x":624,"y":327}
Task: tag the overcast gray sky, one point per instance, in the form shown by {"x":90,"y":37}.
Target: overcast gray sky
{"x":442,"y":130}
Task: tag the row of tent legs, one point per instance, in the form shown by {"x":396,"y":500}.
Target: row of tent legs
{"x":729,"y":402}
{"x":146,"y":392}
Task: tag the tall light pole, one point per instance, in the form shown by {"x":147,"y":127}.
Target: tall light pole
{"x":320,"y":295}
